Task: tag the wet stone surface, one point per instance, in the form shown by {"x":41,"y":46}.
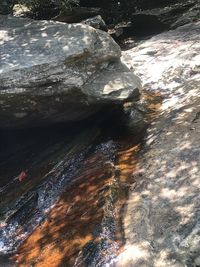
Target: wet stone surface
{"x":70,"y":201}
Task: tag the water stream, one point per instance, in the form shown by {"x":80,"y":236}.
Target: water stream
{"x":63,"y":190}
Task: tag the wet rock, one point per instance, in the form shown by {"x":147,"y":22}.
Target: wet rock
{"x":135,"y":120}
{"x":51,"y":164}
{"x":52,"y":72}
{"x":162,"y":219}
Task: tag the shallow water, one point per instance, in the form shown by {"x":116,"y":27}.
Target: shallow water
{"x":68,"y":209}
{"x":83,"y":229}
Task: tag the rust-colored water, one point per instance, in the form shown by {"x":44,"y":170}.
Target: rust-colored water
{"x":72,"y":222}
{"x":73,"y":227}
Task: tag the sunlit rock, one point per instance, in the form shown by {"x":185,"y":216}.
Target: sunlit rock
{"x":167,"y":61}
{"x":161,"y":224}
{"x":20,"y":10}
{"x":52,"y":72}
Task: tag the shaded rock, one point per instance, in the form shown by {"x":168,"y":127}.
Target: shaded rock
{"x":6,"y":6}
{"x":145,"y":24}
{"x":135,"y":121}
{"x":169,"y":16}
{"x":77,"y":14}
{"x":144,"y":4}
{"x":120,"y":30}
{"x":96,"y":22}
{"x":48,"y":71}
{"x":162,"y":218}
{"x":148,"y":17}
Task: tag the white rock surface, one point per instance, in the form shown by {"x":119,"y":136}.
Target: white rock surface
{"x":162,"y":220}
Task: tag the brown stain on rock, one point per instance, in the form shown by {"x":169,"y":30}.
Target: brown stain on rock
{"x":71,"y":222}
{"x":70,"y":225}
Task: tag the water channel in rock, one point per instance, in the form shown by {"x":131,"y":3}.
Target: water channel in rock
{"x":63,"y":191}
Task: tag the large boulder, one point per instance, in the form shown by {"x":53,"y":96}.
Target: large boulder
{"x":162,"y":226}
{"x":168,"y":61}
{"x":52,"y":72}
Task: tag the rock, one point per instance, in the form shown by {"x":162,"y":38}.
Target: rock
{"x":96,"y":22}
{"x":77,"y":14}
{"x":161,"y":223}
{"x":116,"y":32}
{"x":52,"y":72}
{"x":20,"y":10}
{"x":152,"y":60}
{"x":114,"y":83}
{"x":135,"y":121}
{"x":147,"y":17}
{"x":6,"y":6}
{"x":160,"y":18}
{"x":145,"y":24}
{"x":146,"y":5}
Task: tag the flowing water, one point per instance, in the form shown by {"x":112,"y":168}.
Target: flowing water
{"x":63,"y":190}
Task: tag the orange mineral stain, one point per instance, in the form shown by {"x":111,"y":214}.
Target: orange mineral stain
{"x":70,"y":225}
{"x":71,"y":222}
